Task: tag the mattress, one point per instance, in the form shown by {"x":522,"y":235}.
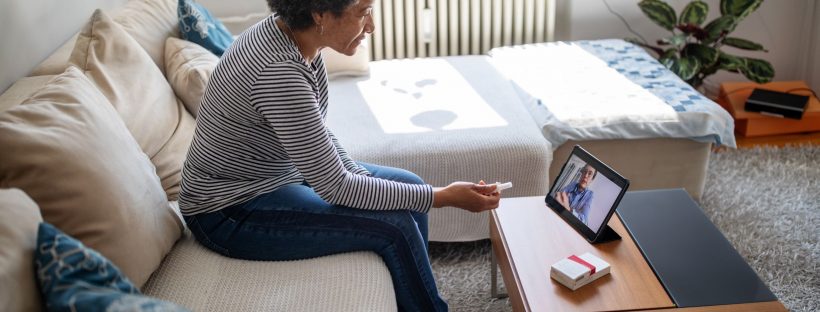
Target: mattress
{"x":608,"y":89}
{"x":656,"y":163}
{"x":446,"y":119}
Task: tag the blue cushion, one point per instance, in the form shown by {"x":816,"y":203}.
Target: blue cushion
{"x":197,"y":25}
{"x":73,"y":277}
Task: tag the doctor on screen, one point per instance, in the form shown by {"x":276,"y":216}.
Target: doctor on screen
{"x":576,"y":197}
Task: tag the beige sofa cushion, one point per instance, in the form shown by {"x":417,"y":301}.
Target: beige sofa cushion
{"x":150,"y":22}
{"x":205,"y":281}
{"x":74,"y":156}
{"x":188,"y":67}
{"x":138,"y":90}
{"x":18,"y":238}
{"x":21,"y":90}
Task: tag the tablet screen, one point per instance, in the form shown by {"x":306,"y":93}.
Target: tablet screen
{"x":588,"y":190}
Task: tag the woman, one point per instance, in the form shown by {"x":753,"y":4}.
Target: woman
{"x":265,"y":179}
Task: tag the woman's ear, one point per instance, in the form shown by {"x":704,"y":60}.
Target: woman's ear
{"x":318,"y":18}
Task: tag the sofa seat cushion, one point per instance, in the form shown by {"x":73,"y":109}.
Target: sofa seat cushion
{"x":127,"y":77}
{"x":18,"y":238}
{"x":72,"y":154}
{"x":202,"y":280}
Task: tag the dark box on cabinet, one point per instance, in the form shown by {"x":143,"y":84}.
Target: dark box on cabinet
{"x":778,"y":104}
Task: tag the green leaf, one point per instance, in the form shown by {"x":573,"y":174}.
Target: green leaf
{"x":694,"y":13}
{"x":685,"y":67}
{"x":719,"y":27}
{"x":692,"y":29}
{"x":707,"y":55}
{"x":743,"y":44}
{"x":731,"y":63}
{"x":757,"y":70}
{"x":659,"y":12}
{"x":675,"y":40}
{"x":668,"y":57}
{"x":739,"y":8}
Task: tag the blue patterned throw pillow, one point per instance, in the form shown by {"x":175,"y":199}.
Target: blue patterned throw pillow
{"x":73,"y":277}
{"x":197,"y":25}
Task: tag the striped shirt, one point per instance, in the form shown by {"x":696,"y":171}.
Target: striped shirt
{"x":261,"y":125}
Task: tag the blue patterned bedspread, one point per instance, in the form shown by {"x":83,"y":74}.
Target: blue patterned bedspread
{"x":562,"y":68}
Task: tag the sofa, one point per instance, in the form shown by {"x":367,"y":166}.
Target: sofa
{"x":93,"y":143}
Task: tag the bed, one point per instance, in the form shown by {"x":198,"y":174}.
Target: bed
{"x":618,"y":102}
{"x":446,"y":119}
{"x":507,"y":116}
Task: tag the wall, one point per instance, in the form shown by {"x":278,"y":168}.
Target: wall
{"x":33,"y":29}
{"x":784,"y":27}
{"x":222,"y":8}
{"x":813,"y":66}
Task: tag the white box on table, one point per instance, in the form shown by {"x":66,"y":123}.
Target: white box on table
{"x":574,"y":271}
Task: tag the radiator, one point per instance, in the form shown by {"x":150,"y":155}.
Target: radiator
{"x":422,"y":28}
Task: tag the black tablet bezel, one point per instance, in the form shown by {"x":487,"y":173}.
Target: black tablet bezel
{"x":565,"y":214}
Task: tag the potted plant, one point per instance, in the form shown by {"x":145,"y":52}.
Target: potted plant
{"x":693,"y":50}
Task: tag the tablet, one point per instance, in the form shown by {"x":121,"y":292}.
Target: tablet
{"x":586,"y":193}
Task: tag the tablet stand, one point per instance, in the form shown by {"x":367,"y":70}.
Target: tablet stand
{"x":607,"y":236}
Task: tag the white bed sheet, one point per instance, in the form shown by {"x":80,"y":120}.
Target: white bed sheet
{"x":574,"y":94}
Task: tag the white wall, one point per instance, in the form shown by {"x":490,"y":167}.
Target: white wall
{"x":33,"y":29}
{"x":222,"y":8}
{"x":813,"y":64}
{"x":782,"y":26}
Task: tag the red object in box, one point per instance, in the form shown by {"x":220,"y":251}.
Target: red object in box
{"x":733,"y":97}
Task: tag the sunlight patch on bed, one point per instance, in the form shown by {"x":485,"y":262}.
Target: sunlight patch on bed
{"x":579,"y":89}
{"x":412,"y":96}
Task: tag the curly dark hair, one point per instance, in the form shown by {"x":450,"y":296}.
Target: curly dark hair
{"x":297,"y":13}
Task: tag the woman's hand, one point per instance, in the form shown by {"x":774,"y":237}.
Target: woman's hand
{"x":468,"y":196}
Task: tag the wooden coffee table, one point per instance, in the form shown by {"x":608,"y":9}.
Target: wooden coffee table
{"x":527,"y":238}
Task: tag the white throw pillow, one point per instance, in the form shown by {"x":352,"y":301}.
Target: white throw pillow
{"x":188,"y":67}
{"x":340,"y":65}
{"x":238,"y":24}
{"x":75,"y":158}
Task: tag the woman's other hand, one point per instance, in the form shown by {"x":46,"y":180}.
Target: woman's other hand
{"x":468,"y":196}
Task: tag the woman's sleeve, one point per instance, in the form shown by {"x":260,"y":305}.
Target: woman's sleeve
{"x":348,"y":162}
{"x":288,"y":102}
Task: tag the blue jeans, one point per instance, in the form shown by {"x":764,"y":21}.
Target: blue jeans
{"x":293,"y":223}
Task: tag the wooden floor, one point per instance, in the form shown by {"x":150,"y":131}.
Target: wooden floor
{"x":779,"y":140}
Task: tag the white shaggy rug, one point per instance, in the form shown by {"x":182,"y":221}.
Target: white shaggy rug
{"x":766,"y":201}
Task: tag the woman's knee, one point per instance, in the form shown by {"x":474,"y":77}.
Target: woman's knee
{"x":392,"y":173}
{"x":412,"y":178}
{"x":406,"y":176}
